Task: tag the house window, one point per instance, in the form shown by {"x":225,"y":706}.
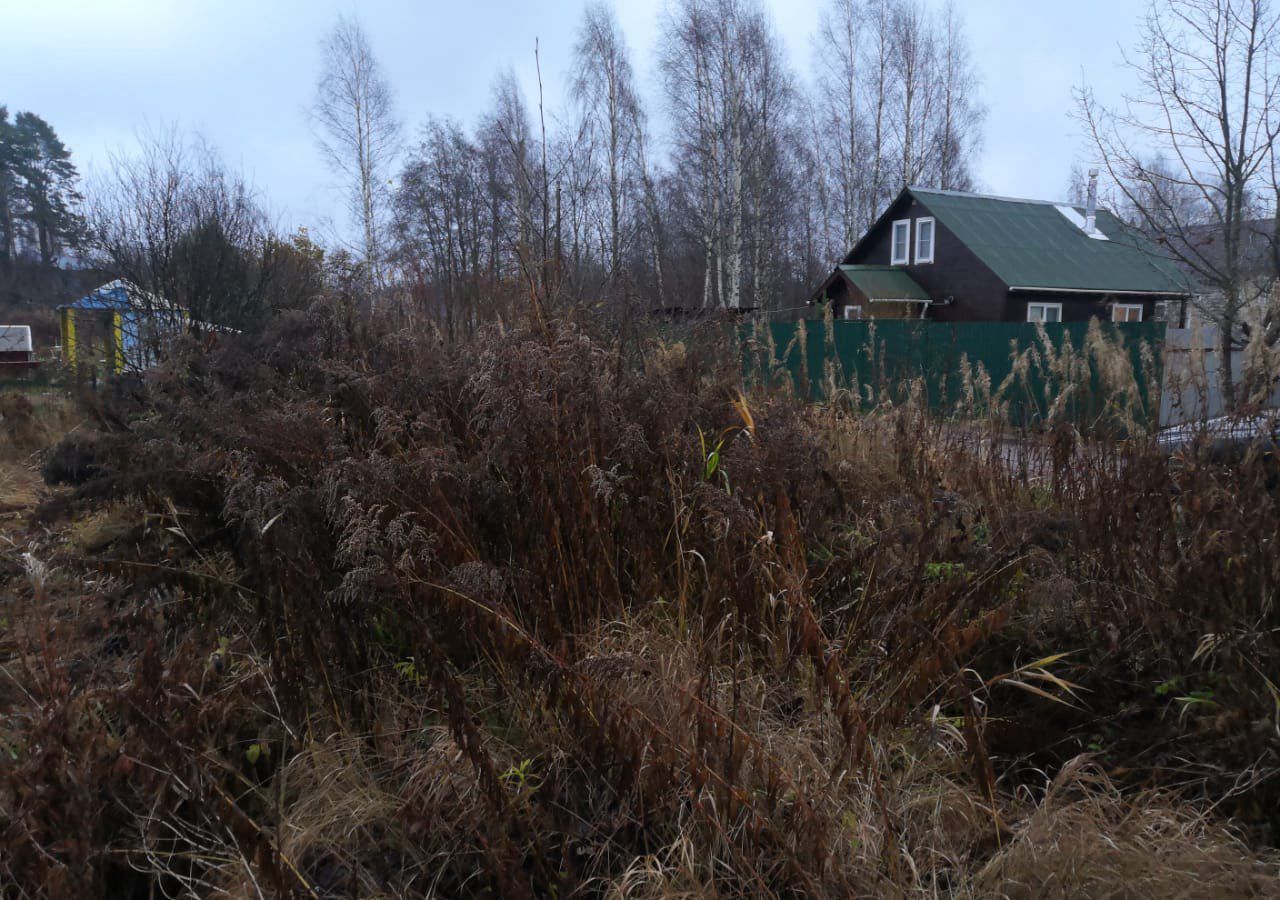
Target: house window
{"x":901,"y":243}
{"x":924,"y":241}
{"x":1126,"y":312}
{"x":853,"y":312}
{"x":1044,"y":312}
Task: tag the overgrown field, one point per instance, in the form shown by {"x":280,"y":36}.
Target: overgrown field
{"x":341,"y":612}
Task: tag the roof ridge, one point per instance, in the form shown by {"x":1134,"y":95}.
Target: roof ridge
{"x":1039,"y":245}
{"x":949,"y":193}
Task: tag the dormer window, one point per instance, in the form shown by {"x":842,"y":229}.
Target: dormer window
{"x":901,"y":243}
{"x":924,"y":241}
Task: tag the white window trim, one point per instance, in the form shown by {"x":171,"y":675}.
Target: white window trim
{"x":1045,"y":306}
{"x":853,"y":312}
{"x":904,"y":260}
{"x":921,"y":259}
{"x":1116,"y":307}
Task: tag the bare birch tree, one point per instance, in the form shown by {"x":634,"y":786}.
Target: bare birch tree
{"x":880,"y":63}
{"x":1190,"y":151}
{"x":512,"y":136}
{"x":915,"y":69}
{"x":958,"y":131}
{"x":357,"y":131}
{"x":604,"y":86}
{"x":730,"y":96}
{"x":897,"y":90}
{"x":838,"y":51}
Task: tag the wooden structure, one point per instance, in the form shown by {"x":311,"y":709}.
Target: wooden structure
{"x":956,"y":257}
{"x":117,"y":328}
{"x":17,"y":354}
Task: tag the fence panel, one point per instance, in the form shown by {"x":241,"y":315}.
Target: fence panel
{"x":945,"y":364}
{"x":1193,"y":378}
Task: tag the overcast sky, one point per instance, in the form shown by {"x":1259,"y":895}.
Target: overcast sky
{"x":242,"y":72}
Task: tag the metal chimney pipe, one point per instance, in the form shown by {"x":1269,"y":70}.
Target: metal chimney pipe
{"x":1091,"y":205}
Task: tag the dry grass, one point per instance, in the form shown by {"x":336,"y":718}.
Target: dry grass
{"x":338,"y":612}
{"x":19,"y":488}
{"x":32,"y":421}
{"x":29,"y":423}
{"x":1086,"y":839}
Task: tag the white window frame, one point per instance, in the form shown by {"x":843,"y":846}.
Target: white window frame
{"x":853,"y":312}
{"x":894,"y":258}
{"x":921,"y":259}
{"x":1117,"y":307}
{"x":1044,"y":308}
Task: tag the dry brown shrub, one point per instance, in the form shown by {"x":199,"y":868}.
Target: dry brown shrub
{"x":530,"y":616}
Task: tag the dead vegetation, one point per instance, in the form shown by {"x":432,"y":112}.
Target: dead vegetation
{"x":345,"y":611}
{"x":31,"y":421}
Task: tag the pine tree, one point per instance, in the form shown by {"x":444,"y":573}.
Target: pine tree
{"x":8,"y":192}
{"x":47,"y":186}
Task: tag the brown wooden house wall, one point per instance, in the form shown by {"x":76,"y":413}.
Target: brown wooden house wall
{"x":956,"y":272}
{"x":1077,"y":307}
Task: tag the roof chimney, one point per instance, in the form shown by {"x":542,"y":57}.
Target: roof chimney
{"x":1091,"y":205}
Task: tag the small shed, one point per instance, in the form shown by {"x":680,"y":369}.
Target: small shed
{"x":15,"y":343}
{"x":875,"y":292}
{"x":117,"y":328}
{"x":17,"y":355}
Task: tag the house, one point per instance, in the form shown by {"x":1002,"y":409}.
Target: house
{"x":117,"y":328}
{"x":17,"y":355}
{"x":958,"y":257}
{"x":1257,"y":246}
{"x":1258,"y":261}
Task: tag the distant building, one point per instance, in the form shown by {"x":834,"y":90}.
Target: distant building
{"x":17,"y":355}
{"x":1257,"y":251}
{"x":118,"y":328}
{"x":1258,"y":262}
{"x":957,"y":257}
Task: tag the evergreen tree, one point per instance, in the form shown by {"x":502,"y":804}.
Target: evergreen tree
{"x":47,"y":186}
{"x":8,"y":192}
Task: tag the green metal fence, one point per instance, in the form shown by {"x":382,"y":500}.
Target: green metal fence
{"x":1030,"y":372}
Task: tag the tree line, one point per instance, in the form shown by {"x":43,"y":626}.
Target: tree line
{"x":763,"y":182}
{"x":39,"y":192}
{"x":738,"y":188}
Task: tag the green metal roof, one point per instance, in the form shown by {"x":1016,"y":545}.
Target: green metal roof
{"x":884,"y":283}
{"x":1033,"y":244}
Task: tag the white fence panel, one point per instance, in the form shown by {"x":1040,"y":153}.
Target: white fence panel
{"x":1192,"y":389}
